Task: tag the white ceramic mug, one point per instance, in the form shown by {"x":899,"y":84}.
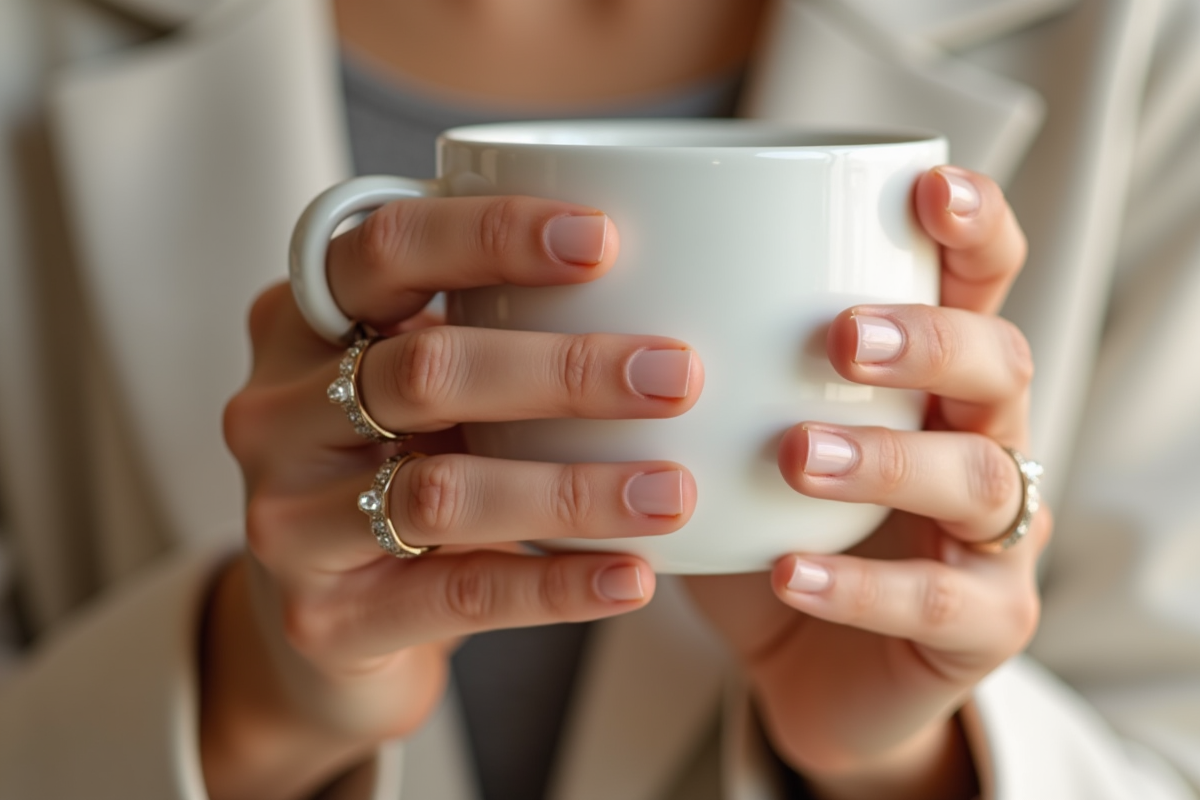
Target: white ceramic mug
{"x":743,"y":239}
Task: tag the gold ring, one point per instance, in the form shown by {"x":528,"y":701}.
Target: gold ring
{"x":1031,"y":500}
{"x":346,"y":391}
{"x":374,"y":503}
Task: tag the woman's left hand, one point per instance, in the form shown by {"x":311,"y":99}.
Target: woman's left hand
{"x":858,"y":673}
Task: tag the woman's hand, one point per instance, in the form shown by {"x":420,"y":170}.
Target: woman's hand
{"x":318,"y":645}
{"x":859,"y":671}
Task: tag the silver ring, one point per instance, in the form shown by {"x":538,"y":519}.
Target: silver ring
{"x":1031,"y":500}
{"x":374,"y":503}
{"x":346,"y":391}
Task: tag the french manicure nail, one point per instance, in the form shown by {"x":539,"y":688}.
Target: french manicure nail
{"x":828,"y":454}
{"x":661,"y":373}
{"x":964,"y":197}
{"x":808,"y":577}
{"x":656,"y":494}
{"x":577,"y":239}
{"x":879,"y":340}
{"x":620,"y":584}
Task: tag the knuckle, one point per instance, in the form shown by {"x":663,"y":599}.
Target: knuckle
{"x":571,"y":497}
{"x":941,"y":347}
{"x":439,"y":496}
{"x":265,"y":526}
{"x":423,"y":375}
{"x":864,"y":597}
{"x":1020,"y":243}
{"x":239,"y":432}
{"x":307,"y":625}
{"x":387,"y":237}
{"x":246,"y":423}
{"x":941,"y":600}
{"x":264,"y":312}
{"x":892,"y":462}
{"x":471,"y":592}
{"x":994,"y":482}
{"x":497,"y":222}
{"x":582,"y":367}
{"x":554,"y":589}
{"x":1018,"y":615}
{"x":1026,"y":615}
{"x":1020,"y":355}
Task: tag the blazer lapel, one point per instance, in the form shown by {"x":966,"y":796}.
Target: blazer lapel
{"x":825,"y":63}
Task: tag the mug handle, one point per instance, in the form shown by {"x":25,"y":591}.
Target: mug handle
{"x":310,"y":241}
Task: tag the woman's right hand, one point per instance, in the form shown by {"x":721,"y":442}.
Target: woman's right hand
{"x":317,"y":645}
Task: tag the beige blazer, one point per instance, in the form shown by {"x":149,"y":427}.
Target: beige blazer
{"x":183,"y":160}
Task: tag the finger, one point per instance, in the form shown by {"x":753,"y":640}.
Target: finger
{"x":439,"y":376}
{"x":461,"y":499}
{"x":397,"y":604}
{"x":955,"y":354}
{"x":282,"y":342}
{"x":470,"y":500}
{"x":742,"y":607}
{"x":966,"y":482}
{"x":985,"y":614}
{"x":285,"y":345}
{"x":983,"y":246}
{"x":387,"y":268}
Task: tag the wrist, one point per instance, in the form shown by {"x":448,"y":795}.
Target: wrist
{"x":255,"y":742}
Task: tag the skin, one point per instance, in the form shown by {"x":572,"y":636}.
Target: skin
{"x":914,"y":617}
{"x":317,"y":646}
{"x":547,"y":55}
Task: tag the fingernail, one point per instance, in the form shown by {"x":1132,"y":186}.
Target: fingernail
{"x":656,"y":494}
{"x":577,"y":239}
{"x":964,"y":197}
{"x":808,"y":577}
{"x":620,"y":584}
{"x":879,"y":340}
{"x":828,"y":454}
{"x":661,"y":373}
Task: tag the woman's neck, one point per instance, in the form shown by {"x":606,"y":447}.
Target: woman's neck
{"x":551,"y":53}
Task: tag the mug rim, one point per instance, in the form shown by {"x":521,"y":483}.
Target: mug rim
{"x":664,"y":134}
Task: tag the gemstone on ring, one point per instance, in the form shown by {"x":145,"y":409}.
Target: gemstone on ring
{"x":369,"y":502}
{"x":1031,"y":500}
{"x":340,"y":391}
{"x":346,"y":392}
{"x":374,"y":503}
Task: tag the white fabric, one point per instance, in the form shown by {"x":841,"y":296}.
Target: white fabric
{"x":107,"y":708}
{"x":184,"y":162}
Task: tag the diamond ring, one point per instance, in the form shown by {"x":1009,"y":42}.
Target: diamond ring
{"x":374,"y":503}
{"x":1031,"y":500}
{"x":346,"y":391}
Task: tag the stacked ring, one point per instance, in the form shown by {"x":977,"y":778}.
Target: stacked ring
{"x":374,"y":503}
{"x":346,"y":391}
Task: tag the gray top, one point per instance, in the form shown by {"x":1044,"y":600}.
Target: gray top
{"x":514,"y":685}
{"x":393,"y":126}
